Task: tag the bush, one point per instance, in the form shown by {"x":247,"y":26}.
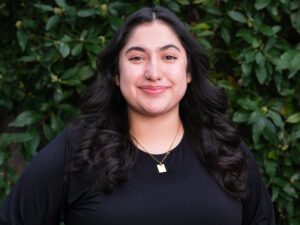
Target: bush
{"x":48,"y":57}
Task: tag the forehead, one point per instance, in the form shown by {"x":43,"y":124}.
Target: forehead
{"x":153,"y":35}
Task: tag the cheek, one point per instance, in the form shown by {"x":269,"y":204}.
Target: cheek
{"x":128,"y":82}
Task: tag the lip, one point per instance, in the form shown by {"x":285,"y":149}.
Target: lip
{"x":153,"y":90}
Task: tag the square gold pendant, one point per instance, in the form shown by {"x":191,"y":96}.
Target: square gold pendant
{"x":161,"y":168}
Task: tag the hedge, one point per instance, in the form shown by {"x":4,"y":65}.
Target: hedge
{"x":48,"y":58}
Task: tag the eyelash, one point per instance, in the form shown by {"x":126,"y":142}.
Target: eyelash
{"x":138,"y":58}
{"x":170,"y":57}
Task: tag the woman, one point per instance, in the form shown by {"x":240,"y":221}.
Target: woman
{"x":153,"y":144}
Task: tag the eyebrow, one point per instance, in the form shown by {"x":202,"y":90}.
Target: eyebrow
{"x":143,"y":50}
{"x":169,"y":46}
{"x":135,"y":48}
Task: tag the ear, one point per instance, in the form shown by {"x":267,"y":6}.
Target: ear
{"x":189,"y":78}
{"x":117,"y":80}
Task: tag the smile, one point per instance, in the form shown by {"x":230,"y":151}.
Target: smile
{"x":154,"y":90}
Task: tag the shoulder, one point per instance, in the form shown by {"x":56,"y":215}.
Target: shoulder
{"x":57,"y":153}
{"x":257,"y":206}
{"x":248,"y":154}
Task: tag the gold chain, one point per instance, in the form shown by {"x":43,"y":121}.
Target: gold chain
{"x":168,"y":152}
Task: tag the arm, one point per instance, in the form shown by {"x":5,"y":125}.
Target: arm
{"x":37,"y":197}
{"x":257,"y":206}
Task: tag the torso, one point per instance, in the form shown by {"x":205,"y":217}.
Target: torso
{"x":185,"y":194}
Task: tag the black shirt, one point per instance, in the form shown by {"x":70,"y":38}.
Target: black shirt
{"x":185,"y":195}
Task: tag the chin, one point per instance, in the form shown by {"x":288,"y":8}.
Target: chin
{"x":155,"y":111}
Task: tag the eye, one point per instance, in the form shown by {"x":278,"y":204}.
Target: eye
{"x":135,"y":58}
{"x":170,"y":57}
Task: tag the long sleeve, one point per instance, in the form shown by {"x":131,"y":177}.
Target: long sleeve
{"x":38,"y":195}
{"x":257,"y":206}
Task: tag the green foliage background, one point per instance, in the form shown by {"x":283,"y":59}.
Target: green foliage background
{"x":48,"y":57}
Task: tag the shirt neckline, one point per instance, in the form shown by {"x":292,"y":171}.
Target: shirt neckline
{"x":172,"y":151}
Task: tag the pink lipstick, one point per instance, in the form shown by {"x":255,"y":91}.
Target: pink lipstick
{"x":153,"y":90}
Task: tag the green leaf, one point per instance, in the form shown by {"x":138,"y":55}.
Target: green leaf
{"x":77,"y":49}
{"x":261,"y":73}
{"x":48,"y":132}
{"x":92,"y":61}
{"x":275,"y":193}
{"x":260,"y":4}
{"x":295,"y":118}
{"x":295,"y":177}
{"x":266,"y":30}
{"x":86,"y":13}
{"x":2,"y":158}
{"x":225,"y":35}
{"x":270,"y":133}
{"x":246,"y":68}
{"x":26,"y":118}
{"x":270,"y":167}
{"x":45,"y":106}
{"x":58,"y":93}
{"x":276,"y":29}
{"x":32,"y":145}
{"x":72,"y":82}
{"x":257,"y":129}
{"x":66,"y":39}
{"x":64,"y":49}
{"x":7,"y":138}
{"x":276,"y":118}
{"x":260,"y":59}
{"x":249,"y":55}
{"x":205,"y":33}
{"x":246,"y":34}
{"x":293,"y":221}
{"x":7,"y":104}
{"x":279,"y":181}
{"x":214,"y":10}
{"x":270,"y":43}
{"x":61,"y":3}
{"x":237,"y":16}
{"x":22,"y":39}
{"x":200,"y":26}
{"x":247,"y":104}
{"x":173,"y":6}
{"x":272,"y":155}
{"x":285,"y":59}
{"x":112,"y":10}
{"x":295,"y":156}
{"x":70,"y":73}
{"x":28,"y":58}
{"x":85,"y":73}
{"x":52,"y":22}
{"x":294,"y":65}
{"x":290,"y":190}
{"x":43,"y":7}
{"x":240,"y":117}
{"x":205,"y":43}
{"x":256,"y":42}
{"x":68,"y":109}
{"x":183,"y":2}
{"x":115,"y":22}
{"x":94,"y":48}
{"x":57,"y":125}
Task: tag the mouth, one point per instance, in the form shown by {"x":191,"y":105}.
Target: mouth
{"x":153,"y":90}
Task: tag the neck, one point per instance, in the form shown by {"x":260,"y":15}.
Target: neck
{"x":156,"y":134}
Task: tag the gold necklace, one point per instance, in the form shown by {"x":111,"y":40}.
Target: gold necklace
{"x":160,"y":166}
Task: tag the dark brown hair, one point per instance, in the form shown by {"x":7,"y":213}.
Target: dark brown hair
{"x":106,"y":142}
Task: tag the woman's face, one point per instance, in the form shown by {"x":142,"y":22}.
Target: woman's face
{"x":153,"y":49}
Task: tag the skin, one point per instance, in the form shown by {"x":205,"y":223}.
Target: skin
{"x":153,"y":102}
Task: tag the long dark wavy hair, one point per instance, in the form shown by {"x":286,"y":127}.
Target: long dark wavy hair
{"x":106,"y":144}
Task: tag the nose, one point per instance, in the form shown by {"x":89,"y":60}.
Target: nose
{"x":153,"y":71}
